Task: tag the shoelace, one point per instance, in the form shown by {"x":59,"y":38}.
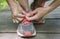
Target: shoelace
{"x":25,"y":21}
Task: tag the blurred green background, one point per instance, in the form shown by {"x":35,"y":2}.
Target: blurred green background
{"x":3,"y":4}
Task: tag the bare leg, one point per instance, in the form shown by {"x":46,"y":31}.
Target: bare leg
{"x":24,"y":4}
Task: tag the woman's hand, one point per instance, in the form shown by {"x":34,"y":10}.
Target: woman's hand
{"x":36,"y":14}
{"x":18,"y":17}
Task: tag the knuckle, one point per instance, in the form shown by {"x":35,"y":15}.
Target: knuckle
{"x":15,"y":15}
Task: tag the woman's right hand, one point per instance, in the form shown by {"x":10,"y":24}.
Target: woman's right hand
{"x":17,"y":17}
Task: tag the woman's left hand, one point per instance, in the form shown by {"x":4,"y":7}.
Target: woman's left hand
{"x":36,"y":14}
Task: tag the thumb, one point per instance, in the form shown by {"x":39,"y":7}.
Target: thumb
{"x":23,"y":12}
{"x":33,"y":12}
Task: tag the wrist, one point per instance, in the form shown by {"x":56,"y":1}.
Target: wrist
{"x":43,"y":11}
{"x":49,"y":9}
{"x":46,"y":11}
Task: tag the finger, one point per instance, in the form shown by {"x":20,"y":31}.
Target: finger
{"x":13,"y":20}
{"x":16,"y":21}
{"x":21,"y":15}
{"x":32,"y":13}
{"x":32,"y":18}
{"x":24,"y":12}
{"x":19,"y":19}
{"x":28,"y":14}
{"x":28,"y":18}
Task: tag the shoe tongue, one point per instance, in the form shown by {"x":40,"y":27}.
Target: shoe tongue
{"x":28,"y":27}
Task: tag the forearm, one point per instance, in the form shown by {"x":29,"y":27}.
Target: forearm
{"x":24,"y":4}
{"x":51,"y":7}
{"x":13,"y":6}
